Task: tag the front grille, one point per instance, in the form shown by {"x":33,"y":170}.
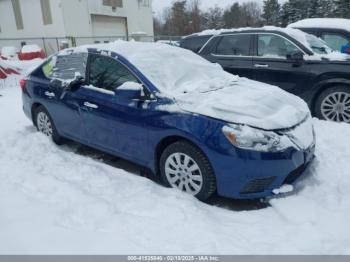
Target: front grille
{"x":257,"y":185}
{"x":294,"y":175}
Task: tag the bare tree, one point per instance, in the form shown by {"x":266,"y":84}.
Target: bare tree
{"x":214,"y":18}
{"x":195,"y":16}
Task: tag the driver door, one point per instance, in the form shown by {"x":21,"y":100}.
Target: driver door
{"x":113,"y":123}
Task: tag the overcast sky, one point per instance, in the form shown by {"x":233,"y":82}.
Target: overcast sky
{"x":159,"y":5}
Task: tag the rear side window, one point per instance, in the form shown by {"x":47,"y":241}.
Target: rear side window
{"x":335,"y":41}
{"x":237,"y":45}
{"x":107,"y":73}
{"x":195,"y":44}
{"x":66,"y":67}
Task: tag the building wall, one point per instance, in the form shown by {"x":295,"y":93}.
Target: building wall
{"x":32,"y":20}
{"x":139,"y":17}
{"x":71,"y":17}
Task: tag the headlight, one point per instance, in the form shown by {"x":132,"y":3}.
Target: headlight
{"x":246,"y":137}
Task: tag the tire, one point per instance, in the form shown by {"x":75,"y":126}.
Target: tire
{"x":185,"y":167}
{"x":45,"y":125}
{"x":333,"y":104}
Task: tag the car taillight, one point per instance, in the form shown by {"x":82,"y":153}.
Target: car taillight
{"x":23,"y":83}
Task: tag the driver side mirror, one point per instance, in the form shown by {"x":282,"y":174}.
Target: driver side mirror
{"x":133,"y":91}
{"x":297,"y":56}
{"x":75,"y":84}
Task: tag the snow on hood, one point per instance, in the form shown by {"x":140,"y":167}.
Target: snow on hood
{"x":248,"y":102}
{"x":205,"y":88}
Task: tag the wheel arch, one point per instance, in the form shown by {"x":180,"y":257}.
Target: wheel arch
{"x":33,"y":108}
{"x":165,"y":142}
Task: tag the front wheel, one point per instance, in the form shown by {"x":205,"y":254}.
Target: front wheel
{"x":334,"y":104}
{"x":45,"y":125}
{"x":185,"y":167}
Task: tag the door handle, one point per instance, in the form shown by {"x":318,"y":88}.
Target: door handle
{"x":88,"y":104}
{"x":261,"y":65}
{"x":50,"y":94}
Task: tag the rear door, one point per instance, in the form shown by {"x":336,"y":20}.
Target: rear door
{"x":273,"y":66}
{"x":234,"y":54}
{"x":64,"y":106}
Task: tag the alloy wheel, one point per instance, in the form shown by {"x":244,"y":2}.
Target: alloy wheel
{"x":183,"y":172}
{"x":44,"y":124}
{"x":336,"y":107}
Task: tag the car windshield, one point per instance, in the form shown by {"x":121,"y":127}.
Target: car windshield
{"x":317,"y":45}
{"x":173,"y":70}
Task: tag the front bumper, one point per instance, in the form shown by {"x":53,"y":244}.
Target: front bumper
{"x":247,"y":174}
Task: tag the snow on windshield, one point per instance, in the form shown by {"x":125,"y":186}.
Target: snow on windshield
{"x":172,"y":70}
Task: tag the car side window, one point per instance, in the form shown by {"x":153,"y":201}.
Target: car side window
{"x":236,"y":45}
{"x":107,"y":73}
{"x":65,"y":67}
{"x":196,"y":43}
{"x":274,"y":46}
{"x":335,"y":41}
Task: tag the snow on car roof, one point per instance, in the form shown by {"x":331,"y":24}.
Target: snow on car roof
{"x":307,"y":40}
{"x":333,"y":23}
{"x":31,"y":48}
{"x":171,"y":69}
{"x":297,"y":34}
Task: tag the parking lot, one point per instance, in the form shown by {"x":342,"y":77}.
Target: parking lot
{"x":72,"y":200}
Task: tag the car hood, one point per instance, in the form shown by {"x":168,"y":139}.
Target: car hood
{"x":248,"y":102}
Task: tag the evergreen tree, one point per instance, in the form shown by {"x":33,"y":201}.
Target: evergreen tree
{"x":233,"y":16}
{"x":342,"y":8}
{"x":271,"y":12}
{"x":326,"y":8}
{"x":285,"y":14}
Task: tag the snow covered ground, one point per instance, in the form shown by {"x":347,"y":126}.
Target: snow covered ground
{"x":65,"y":200}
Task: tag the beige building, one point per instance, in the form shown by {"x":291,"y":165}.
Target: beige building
{"x":86,"y":20}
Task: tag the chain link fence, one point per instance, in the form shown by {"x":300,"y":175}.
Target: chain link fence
{"x":52,"y":45}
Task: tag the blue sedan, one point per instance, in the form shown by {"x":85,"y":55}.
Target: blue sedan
{"x":202,"y":130}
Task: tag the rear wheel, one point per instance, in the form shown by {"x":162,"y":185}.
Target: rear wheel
{"x":45,"y":125}
{"x":334,"y":104}
{"x":185,"y":167}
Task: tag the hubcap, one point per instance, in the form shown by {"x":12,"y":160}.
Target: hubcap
{"x":44,"y":124}
{"x":184,"y":173}
{"x":336,"y":107}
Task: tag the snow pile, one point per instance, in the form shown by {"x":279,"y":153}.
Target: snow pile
{"x":12,"y":71}
{"x":31,"y":49}
{"x":9,"y":53}
{"x":55,"y":201}
{"x":333,"y":56}
{"x":333,"y":23}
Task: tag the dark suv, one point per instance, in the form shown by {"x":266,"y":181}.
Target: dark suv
{"x":295,"y":61}
{"x":194,"y":42}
